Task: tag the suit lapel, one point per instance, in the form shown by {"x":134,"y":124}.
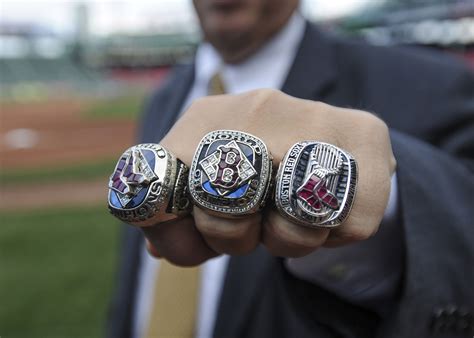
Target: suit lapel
{"x":184,"y":81}
{"x":165,"y":107}
{"x":313,"y":71}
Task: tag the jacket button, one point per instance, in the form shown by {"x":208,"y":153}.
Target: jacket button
{"x":465,"y":322}
{"x":438,"y":320}
{"x":451,"y":319}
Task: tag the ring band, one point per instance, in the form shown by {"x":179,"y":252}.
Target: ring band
{"x":316,"y":184}
{"x":148,"y":186}
{"x":230,"y":173}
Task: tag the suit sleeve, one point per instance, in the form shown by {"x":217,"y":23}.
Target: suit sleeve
{"x":436,"y":207}
{"x":428,"y":245}
{"x":436,"y":190}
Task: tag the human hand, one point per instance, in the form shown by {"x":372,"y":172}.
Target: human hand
{"x":280,"y":121}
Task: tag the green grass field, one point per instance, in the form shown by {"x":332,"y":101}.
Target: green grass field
{"x":83,"y":171}
{"x":126,"y":107}
{"x":57,"y":266}
{"x":56,"y":272}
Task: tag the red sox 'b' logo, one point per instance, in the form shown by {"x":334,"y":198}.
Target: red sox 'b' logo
{"x":227,"y":176}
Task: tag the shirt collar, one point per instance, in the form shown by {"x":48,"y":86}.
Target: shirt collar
{"x":280,"y":51}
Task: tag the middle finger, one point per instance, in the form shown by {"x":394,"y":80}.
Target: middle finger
{"x":229,"y":236}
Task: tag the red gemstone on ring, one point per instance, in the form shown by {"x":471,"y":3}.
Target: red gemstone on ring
{"x":315,"y":193}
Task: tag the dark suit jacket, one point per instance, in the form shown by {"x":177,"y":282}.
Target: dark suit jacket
{"x":428,"y":102}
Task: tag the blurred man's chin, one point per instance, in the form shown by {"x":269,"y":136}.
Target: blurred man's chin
{"x":230,"y":24}
{"x":231,"y":40}
{"x":239,"y":27}
{"x":228,"y":32}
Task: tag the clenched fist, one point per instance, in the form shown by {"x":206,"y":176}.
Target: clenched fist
{"x":280,"y":121}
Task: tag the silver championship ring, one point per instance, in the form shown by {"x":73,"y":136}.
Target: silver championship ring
{"x":316,"y":184}
{"x":230,"y":173}
{"x":148,"y":186}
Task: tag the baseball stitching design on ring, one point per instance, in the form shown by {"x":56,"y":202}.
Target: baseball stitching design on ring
{"x":316,"y":184}
{"x":148,"y":186}
{"x":230,"y":173}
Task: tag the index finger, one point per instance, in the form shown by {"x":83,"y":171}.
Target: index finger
{"x":179,"y":242}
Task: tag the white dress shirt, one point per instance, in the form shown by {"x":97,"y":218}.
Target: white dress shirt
{"x":358,"y":272}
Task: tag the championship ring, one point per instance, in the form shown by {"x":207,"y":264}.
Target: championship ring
{"x":148,"y":186}
{"x":316,"y":184}
{"x":230,"y":173}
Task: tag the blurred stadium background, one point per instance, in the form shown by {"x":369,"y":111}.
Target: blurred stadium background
{"x":73,"y":76}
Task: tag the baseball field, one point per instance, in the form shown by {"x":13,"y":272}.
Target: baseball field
{"x":58,"y":244}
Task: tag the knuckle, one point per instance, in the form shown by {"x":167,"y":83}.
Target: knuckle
{"x":226,"y":229}
{"x":184,"y":261}
{"x":220,"y":230}
{"x":152,"y":250}
{"x":198,"y":104}
{"x":260,"y":99}
{"x":308,"y":242}
{"x":393,"y":163}
{"x":320,"y":106}
{"x":380,"y":129}
{"x":200,"y":107}
{"x":375,"y":205}
{"x":315,"y":112}
{"x":356,"y":235}
{"x":385,"y":186}
{"x":373,"y":125}
{"x":265,"y":93}
{"x":295,"y":236}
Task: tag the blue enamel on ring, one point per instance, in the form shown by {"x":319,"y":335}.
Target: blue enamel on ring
{"x":230,"y":173}
{"x":148,"y":186}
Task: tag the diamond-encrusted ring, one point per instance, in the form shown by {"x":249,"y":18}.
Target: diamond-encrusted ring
{"x":316,"y":184}
{"x":148,"y":186}
{"x":230,"y":173}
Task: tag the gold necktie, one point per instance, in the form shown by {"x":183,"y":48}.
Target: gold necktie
{"x":216,"y":85}
{"x":174,"y":302}
{"x":176,"y":289}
